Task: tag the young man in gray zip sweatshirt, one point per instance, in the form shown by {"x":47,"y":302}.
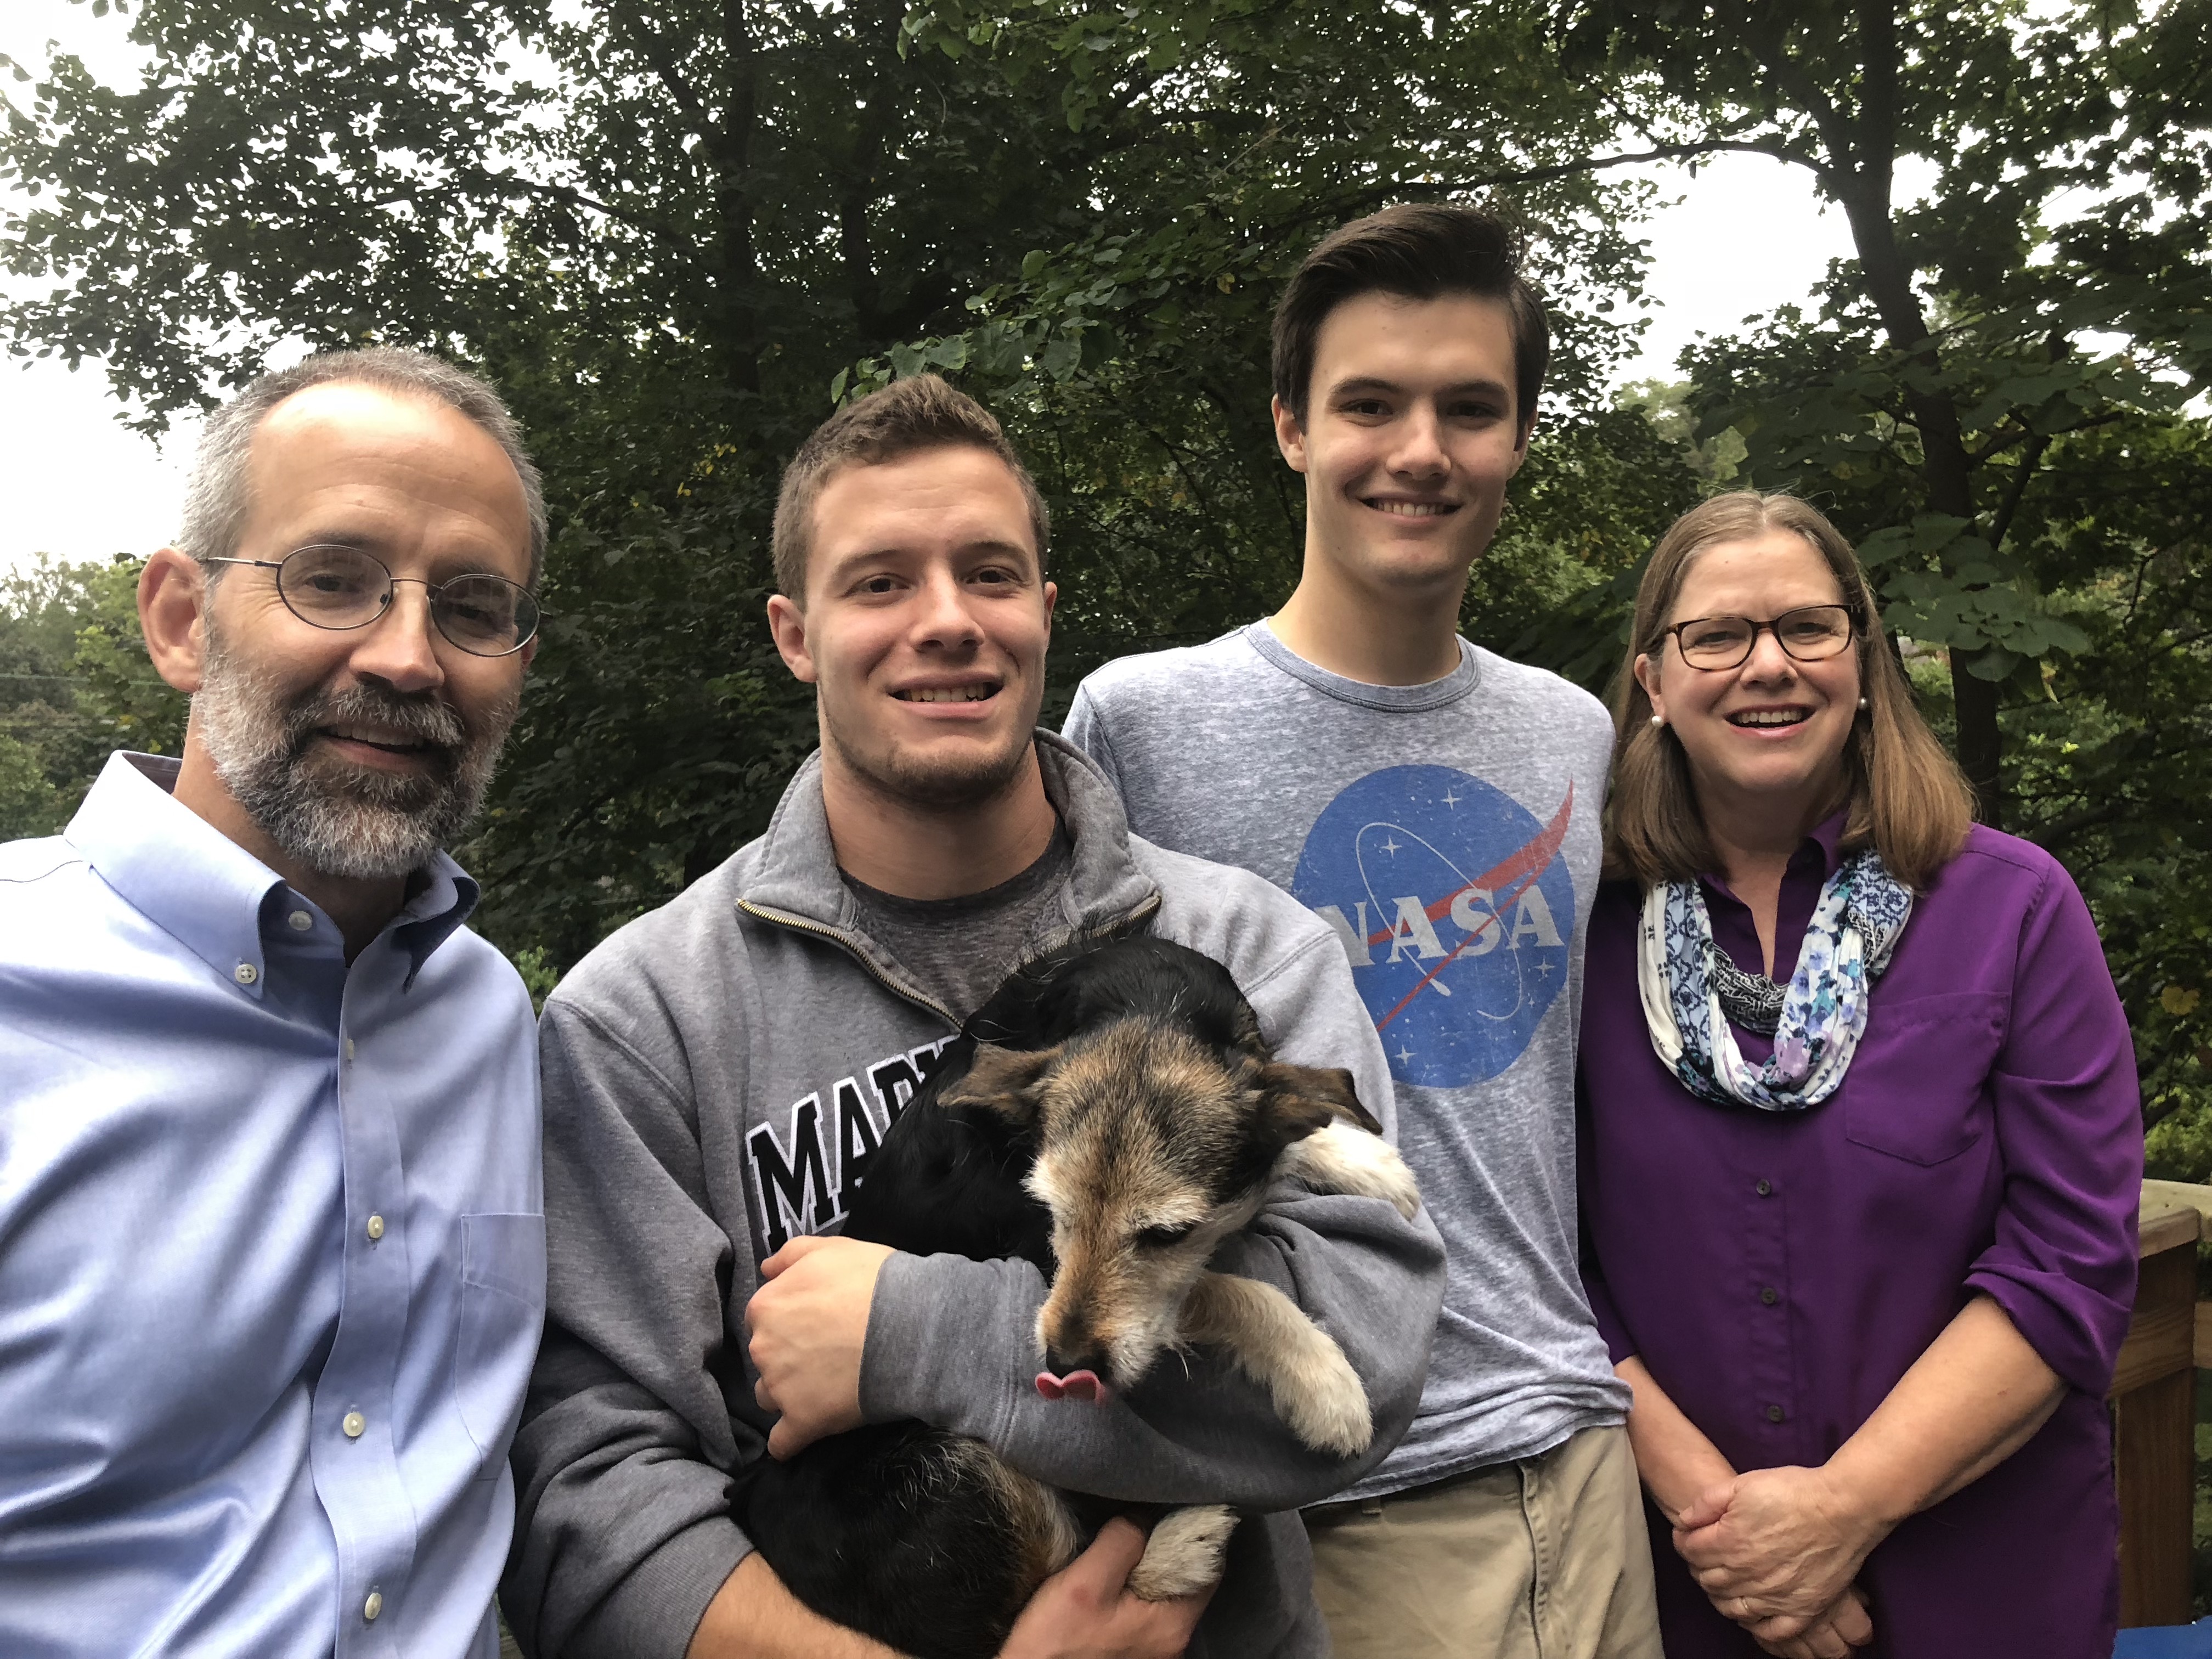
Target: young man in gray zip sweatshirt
{"x":719,"y":1073}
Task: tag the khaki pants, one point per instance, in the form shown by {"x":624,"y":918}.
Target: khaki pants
{"x":1543,"y":1559}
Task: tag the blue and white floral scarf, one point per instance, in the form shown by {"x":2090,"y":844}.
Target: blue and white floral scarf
{"x":1862,"y":912}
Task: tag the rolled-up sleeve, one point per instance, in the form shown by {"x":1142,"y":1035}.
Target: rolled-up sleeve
{"x":2068,"y":1116}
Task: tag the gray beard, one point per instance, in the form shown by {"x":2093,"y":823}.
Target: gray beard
{"x":340,"y":820}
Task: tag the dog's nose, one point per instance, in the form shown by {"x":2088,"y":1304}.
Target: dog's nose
{"x":1068,"y":1356}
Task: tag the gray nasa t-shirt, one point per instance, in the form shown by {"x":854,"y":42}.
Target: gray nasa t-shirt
{"x":1449,"y":833}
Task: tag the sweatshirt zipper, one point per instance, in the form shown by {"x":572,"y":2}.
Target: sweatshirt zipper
{"x":798,"y":925}
{"x":843,"y":941}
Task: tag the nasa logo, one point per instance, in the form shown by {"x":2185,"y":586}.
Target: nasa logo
{"x":1456,"y":909}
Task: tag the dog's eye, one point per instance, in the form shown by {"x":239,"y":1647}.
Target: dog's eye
{"x":1160,"y":1237}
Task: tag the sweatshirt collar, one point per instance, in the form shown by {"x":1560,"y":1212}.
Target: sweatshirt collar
{"x":797,"y":878}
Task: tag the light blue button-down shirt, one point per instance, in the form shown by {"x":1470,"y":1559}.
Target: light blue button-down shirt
{"x":273,"y":1252}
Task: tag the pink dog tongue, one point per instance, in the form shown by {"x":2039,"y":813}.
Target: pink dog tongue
{"x":1076,"y":1385}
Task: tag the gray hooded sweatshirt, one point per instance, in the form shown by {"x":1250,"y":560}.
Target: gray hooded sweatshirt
{"x":716,"y":1076}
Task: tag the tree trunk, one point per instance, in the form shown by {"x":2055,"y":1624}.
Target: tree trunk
{"x":740,"y":272}
{"x":1864,"y":163}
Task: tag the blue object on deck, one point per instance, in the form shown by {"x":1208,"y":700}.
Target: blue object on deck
{"x":2166,"y":1642}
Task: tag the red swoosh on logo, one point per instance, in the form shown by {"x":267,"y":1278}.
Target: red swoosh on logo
{"x":1524,"y":865}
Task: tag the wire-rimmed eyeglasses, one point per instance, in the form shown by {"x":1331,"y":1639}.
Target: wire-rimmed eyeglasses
{"x":1812,"y":633}
{"x":343,"y":587}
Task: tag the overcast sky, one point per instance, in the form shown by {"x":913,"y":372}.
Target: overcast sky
{"x":76,"y":482}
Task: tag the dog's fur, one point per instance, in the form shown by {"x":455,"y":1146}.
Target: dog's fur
{"x":1111,"y":1114}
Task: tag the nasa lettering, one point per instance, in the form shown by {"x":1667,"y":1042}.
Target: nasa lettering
{"x":1454,"y":904}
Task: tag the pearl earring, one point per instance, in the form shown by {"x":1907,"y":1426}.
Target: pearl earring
{"x":1658,"y":719}
{"x":1863,"y":702}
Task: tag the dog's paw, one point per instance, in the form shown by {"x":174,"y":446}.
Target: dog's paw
{"x":1342,"y":1157}
{"x":1320,"y":1396}
{"x":1183,"y":1556}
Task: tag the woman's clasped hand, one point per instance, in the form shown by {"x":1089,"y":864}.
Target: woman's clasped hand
{"x":1777,"y":1551}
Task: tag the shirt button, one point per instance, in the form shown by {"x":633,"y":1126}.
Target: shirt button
{"x":246,"y":973}
{"x":1765,"y":1189}
{"x":349,"y":1047}
{"x":1774,"y":1414}
{"x":354,"y":1424}
{"x":373,"y":1605}
{"x":375,"y":1228}
{"x":1769,"y":1295}
{"x":301,"y":921}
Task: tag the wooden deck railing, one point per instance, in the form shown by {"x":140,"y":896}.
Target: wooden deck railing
{"x":2154,"y":1401}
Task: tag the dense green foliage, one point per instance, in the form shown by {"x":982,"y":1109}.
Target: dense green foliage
{"x":675,"y":234}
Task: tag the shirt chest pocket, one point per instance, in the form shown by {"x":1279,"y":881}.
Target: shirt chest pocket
{"x":1916,"y":1089}
{"x":502,"y":1310}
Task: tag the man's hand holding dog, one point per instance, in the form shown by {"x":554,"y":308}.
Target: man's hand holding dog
{"x":1084,"y":1610}
{"x":808,"y":1325}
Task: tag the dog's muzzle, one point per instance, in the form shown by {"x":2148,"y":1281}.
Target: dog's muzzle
{"x":1076,"y":1385}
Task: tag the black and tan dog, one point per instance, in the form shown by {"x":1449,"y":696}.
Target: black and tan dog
{"x":1111,"y":1114}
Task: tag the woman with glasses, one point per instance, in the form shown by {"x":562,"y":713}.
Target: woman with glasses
{"x":1860,"y":1143}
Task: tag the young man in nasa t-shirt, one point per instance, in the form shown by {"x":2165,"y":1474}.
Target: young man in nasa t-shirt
{"x":1438,"y":806}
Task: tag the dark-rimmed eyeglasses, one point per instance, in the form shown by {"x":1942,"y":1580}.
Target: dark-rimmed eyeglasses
{"x":1812,"y":633}
{"x":342,"y":588}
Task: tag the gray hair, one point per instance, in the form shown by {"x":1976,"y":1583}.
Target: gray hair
{"x":219,"y":496}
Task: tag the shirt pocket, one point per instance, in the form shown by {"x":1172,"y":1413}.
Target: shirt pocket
{"x":502,"y":1310}
{"x":1917,"y":1089}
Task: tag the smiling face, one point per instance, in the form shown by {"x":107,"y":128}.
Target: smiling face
{"x":1409,"y":437}
{"x":1766,"y":737}
{"x":925,"y":626}
{"x":360,"y":751}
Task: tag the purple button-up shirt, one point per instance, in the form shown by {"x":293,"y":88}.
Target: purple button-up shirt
{"x":1779,"y":1272}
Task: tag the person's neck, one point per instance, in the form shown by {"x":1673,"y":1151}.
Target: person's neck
{"x":1408,"y":637}
{"x":916,"y":850}
{"x":359,"y":907}
{"x":1754,"y":835}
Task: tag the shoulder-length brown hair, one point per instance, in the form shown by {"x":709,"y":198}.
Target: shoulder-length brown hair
{"x":1906,"y":794}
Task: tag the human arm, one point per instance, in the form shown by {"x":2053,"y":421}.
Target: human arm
{"x":1677,"y":1462}
{"x":1084,"y":1610}
{"x":637,"y":1415}
{"x":809,"y":1319}
{"x":1677,"y":1465}
{"x":1783,"y":1543}
{"x":753,"y":1616}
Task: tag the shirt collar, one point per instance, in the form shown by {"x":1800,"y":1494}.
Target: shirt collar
{"x":441,"y":897}
{"x":1828,"y":836}
{"x":208,"y":893}
{"x":797,"y":872}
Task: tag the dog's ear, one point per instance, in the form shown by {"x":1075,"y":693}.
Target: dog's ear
{"x":1003,"y":1081}
{"x":1295,"y":1093}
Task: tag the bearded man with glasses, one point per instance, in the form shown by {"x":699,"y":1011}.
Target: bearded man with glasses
{"x":269,"y":1190}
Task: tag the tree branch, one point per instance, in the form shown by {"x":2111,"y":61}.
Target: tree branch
{"x":570,"y":197}
{"x":667,"y":71}
{"x":1357,"y":201}
{"x":2028,"y":463}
